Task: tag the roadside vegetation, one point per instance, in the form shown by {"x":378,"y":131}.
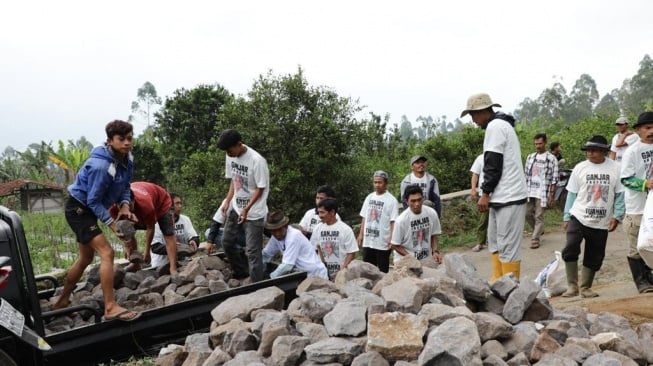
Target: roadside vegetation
{"x":311,"y":136}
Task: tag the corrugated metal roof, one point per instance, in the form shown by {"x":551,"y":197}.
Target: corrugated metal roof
{"x":9,"y":188}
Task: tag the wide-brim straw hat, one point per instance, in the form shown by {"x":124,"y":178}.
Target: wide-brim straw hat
{"x":478,"y":102}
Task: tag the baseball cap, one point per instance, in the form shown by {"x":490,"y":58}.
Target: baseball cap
{"x":381,"y":173}
{"x":622,"y":121}
{"x":416,"y":158}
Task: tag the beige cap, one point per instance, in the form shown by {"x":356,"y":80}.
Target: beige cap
{"x":622,"y":121}
{"x":478,"y":102}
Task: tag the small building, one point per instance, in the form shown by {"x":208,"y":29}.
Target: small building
{"x":32,"y":196}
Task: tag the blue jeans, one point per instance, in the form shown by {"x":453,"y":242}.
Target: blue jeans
{"x":242,"y":263}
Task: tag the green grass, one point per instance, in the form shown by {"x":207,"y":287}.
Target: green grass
{"x":52,"y":243}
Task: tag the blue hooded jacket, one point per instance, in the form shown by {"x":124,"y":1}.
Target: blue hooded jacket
{"x":102,"y":181}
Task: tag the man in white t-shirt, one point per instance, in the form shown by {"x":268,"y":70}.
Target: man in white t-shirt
{"x":475,"y":184}
{"x":426,"y":181}
{"x":416,"y":229}
{"x":622,"y":139}
{"x":541,"y":171}
{"x":187,"y":238}
{"x":334,"y":239}
{"x":297,"y":252}
{"x":311,"y":218}
{"x":379,"y":212}
{"x":594,"y":207}
{"x":247,"y":205}
{"x":637,"y":177}
{"x":504,"y":184}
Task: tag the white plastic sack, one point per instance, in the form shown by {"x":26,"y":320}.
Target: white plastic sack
{"x":553,"y":278}
{"x":645,"y":237}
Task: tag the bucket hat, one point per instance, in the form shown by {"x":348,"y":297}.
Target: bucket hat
{"x":478,"y":102}
{"x":275,"y":220}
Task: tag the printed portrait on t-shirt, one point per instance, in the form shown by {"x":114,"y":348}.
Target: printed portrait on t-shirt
{"x":240,"y":183}
{"x":419,"y":238}
{"x":598,"y":193}
{"x":330,"y":250}
{"x":374,"y":216}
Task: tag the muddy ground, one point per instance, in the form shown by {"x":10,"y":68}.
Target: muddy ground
{"x":613,"y":282}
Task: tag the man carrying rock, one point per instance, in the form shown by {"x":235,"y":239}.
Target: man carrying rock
{"x":594,"y":207}
{"x":297,"y":252}
{"x":151,"y":204}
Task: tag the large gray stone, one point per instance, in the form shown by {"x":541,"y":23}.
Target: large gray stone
{"x":242,"y":306}
{"x":454,"y":342}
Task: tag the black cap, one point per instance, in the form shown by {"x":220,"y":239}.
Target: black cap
{"x":644,"y":118}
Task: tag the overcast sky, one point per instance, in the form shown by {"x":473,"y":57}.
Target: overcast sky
{"x":69,"y":67}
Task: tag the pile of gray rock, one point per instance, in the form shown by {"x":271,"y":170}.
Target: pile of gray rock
{"x":419,"y":314}
{"x":144,"y":289}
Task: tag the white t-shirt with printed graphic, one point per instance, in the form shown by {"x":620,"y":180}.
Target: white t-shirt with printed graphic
{"x":247,"y":173}
{"x":311,"y":219}
{"x":595,"y":186}
{"x":335,"y":241}
{"x":637,"y":162}
{"x":379,"y":211}
{"x":500,"y":137}
{"x":184,"y":231}
{"x":538,"y":172}
{"x":414,"y":231}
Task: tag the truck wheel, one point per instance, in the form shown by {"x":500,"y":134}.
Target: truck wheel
{"x":6,"y":360}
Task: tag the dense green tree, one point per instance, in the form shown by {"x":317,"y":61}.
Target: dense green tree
{"x":582,"y":99}
{"x":189,"y":122}
{"x":608,"y":107}
{"x":309,"y":136}
{"x":451,"y":155}
{"x":636,"y":93}
{"x":552,"y":101}
{"x":148,"y":162}
{"x":528,"y":110}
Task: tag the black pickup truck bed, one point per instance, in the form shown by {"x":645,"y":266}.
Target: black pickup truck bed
{"x":102,"y":341}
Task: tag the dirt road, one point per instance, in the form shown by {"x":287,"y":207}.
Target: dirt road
{"x":613,"y":282}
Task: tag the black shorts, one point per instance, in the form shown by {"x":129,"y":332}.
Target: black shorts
{"x":167,"y":223}
{"x":82,"y":220}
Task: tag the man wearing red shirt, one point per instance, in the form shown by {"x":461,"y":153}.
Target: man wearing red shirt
{"x":151,"y":204}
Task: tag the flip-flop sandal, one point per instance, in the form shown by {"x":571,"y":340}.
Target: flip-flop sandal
{"x":535,"y":245}
{"x":120,"y":317}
